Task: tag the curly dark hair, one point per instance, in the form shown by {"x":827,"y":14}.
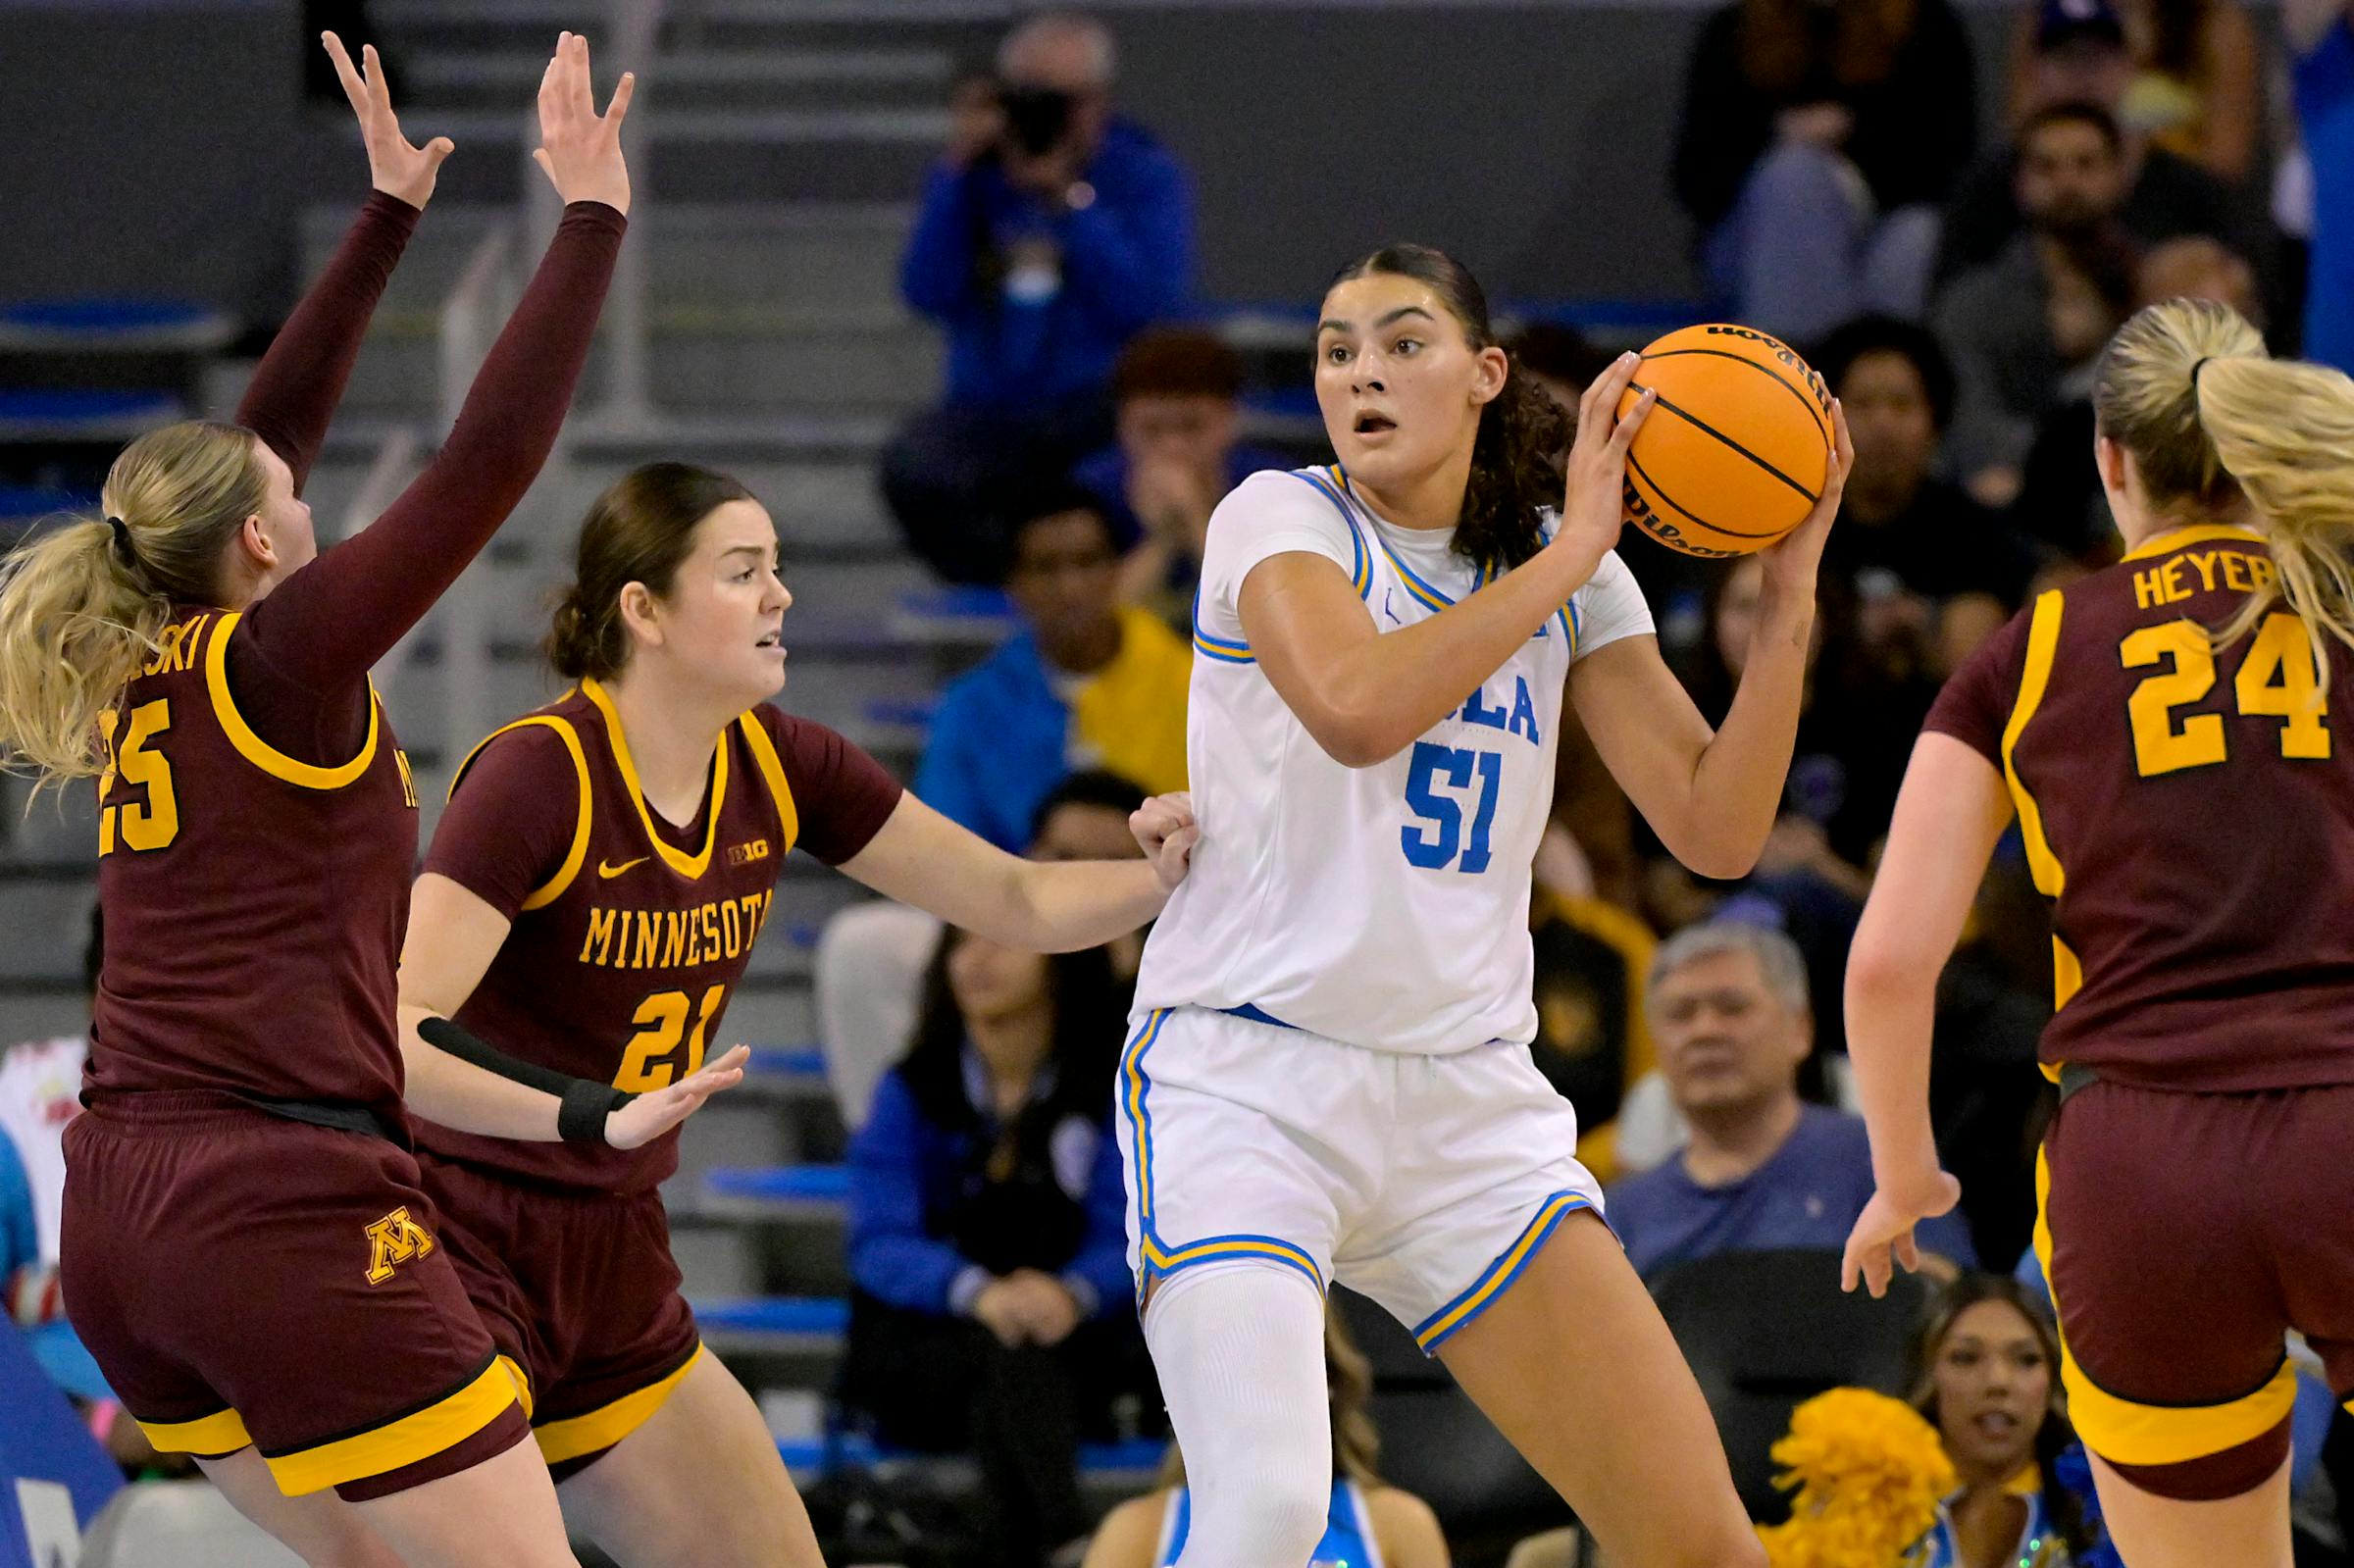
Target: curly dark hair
{"x":1515,"y":473}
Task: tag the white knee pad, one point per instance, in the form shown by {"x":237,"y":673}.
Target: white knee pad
{"x":1240,"y":1350}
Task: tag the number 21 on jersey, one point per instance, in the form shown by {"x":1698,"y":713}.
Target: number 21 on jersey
{"x":650,"y":1062}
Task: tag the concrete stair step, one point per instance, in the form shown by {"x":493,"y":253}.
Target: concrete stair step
{"x":697,"y":79}
{"x":818,"y":256}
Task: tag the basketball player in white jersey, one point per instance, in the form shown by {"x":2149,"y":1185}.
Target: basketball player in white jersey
{"x":1328,"y":1074}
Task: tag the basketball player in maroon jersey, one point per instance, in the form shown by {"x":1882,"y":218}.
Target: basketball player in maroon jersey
{"x":246,"y":1245}
{"x":2163,"y":731}
{"x":590,"y":903}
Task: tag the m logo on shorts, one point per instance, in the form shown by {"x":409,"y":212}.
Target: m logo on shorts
{"x":392,"y":1242}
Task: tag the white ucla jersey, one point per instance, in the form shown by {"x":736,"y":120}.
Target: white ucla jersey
{"x":1383,"y":906}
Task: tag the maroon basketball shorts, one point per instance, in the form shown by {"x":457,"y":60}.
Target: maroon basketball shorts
{"x":579,"y":1288}
{"x":2184,"y":1235}
{"x":244,"y":1279}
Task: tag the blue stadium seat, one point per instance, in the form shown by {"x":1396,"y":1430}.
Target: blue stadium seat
{"x":134,"y":323}
{"x":810,"y":1316}
{"x":84,"y":414}
{"x":794,"y":1063}
{"x":826,"y":1184}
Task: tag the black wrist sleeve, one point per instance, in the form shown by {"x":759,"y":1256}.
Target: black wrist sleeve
{"x":584,"y":1105}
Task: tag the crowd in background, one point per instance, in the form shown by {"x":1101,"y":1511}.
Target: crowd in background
{"x":1951,"y":280}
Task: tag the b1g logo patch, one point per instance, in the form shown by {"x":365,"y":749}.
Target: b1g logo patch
{"x":393,"y":1240}
{"x":747,"y":854}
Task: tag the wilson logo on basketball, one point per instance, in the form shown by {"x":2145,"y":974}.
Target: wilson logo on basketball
{"x":747,"y":853}
{"x":392,"y":1242}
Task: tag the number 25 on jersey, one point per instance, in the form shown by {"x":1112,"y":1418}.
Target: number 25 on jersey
{"x":137,"y":825}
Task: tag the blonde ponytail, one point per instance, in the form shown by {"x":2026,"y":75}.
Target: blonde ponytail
{"x":2284,"y":430}
{"x":83,"y":605}
{"x":2221,"y":432}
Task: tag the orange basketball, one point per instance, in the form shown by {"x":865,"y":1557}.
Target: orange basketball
{"x":1736,"y":448}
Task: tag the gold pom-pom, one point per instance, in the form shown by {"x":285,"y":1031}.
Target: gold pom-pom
{"x":1868,"y":1473}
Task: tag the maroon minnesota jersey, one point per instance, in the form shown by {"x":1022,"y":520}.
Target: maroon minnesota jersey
{"x":254,"y":901}
{"x":628,"y":935}
{"x":2187,"y":810}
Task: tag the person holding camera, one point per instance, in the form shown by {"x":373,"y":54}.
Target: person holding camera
{"x":1051,"y":231}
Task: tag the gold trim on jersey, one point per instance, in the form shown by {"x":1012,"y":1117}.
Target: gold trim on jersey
{"x":2043,"y":643}
{"x":553,"y":889}
{"x":517,"y":1377}
{"x":419,"y":1435}
{"x":772,"y":769}
{"x":2197,"y":534}
{"x":677,"y":860}
{"x":209,"y":1437}
{"x":2127,"y":1432}
{"x":254,"y":750}
{"x":600,"y":1428}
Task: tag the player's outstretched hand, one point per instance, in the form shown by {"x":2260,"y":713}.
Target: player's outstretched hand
{"x":1883,"y":1234}
{"x":394,"y":165}
{"x":1164,"y":826}
{"x":658,"y":1111}
{"x":1790,"y":561}
{"x":1594,"y":493}
{"x":580,"y":149}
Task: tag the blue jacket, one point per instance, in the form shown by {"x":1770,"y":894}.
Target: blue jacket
{"x":1008,"y":731}
{"x":905,"y":1169}
{"x":1127,"y":261}
{"x":2325,"y":85}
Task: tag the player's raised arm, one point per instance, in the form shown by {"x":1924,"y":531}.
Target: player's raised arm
{"x":301,"y":379}
{"x":1711,"y":795}
{"x":920,"y":857}
{"x":330,"y":621}
{"x":1364,"y":695}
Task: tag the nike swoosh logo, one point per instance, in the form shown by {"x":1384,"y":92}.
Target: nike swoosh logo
{"x":607,"y":867}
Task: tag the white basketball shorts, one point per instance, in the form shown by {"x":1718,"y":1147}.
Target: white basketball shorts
{"x":1427,"y":1183}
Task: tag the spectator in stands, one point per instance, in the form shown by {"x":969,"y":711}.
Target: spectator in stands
{"x":1729,"y":1012}
{"x":1816,"y":142}
{"x":2060,"y":500}
{"x":1986,"y":1374}
{"x":1053,"y":232}
{"x":2081,"y":57}
{"x":1872,"y":679}
{"x":40,"y":1090}
{"x":2019,"y":324}
{"x":2321,"y":36}
{"x":1085,"y":818}
{"x":1912,"y":543}
{"x":1086,"y":683}
{"x":1592,"y":1044}
{"x":1370,"y":1522}
{"x":2194,"y":85}
{"x":991,"y":1307}
{"x":1177,"y":402}
{"x":872,"y":956}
